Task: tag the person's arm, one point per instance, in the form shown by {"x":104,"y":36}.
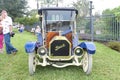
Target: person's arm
{"x":10,"y":25}
{"x":0,"y":24}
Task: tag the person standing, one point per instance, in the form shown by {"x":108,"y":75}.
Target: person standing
{"x":7,"y":31}
{"x":39,"y":35}
{"x":21,"y":29}
{"x":1,"y":36}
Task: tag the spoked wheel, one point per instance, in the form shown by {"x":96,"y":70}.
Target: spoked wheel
{"x":87,"y":63}
{"x":32,"y":63}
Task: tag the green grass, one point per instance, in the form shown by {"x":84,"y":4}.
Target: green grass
{"x":106,"y":65}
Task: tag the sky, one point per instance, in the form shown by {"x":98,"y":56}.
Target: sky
{"x":99,"y":5}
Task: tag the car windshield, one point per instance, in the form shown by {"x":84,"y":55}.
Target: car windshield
{"x":59,"y":20}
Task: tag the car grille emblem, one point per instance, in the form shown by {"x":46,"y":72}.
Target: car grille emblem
{"x":59,"y":47}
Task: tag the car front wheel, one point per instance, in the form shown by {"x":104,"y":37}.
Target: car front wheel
{"x":87,"y":63}
{"x":31,"y":63}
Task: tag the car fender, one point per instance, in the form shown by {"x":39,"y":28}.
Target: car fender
{"x":89,"y":46}
{"x":30,"y":47}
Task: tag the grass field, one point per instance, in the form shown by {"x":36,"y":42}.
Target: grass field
{"x":106,"y":65}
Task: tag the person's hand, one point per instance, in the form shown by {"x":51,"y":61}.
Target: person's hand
{"x":12,"y":34}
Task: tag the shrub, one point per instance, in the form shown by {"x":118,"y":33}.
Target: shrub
{"x":114,"y":45}
{"x":27,"y":20}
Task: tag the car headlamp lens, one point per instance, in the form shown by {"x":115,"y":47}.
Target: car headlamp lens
{"x":78,"y":51}
{"x":42,"y":51}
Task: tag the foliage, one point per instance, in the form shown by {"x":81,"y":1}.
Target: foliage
{"x":15,"y":8}
{"x":27,"y":20}
{"x":107,"y":12}
{"x":83,"y":9}
{"x":99,"y":24}
{"x":49,"y":3}
{"x":15,"y":67}
{"x":32,"y":12}
{"x":115,"y":11}
{"x":82,"y":6}
{"x":113,"y":21}
{"x":114,"y":45}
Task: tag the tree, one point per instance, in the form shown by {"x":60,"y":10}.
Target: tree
{"x":32,"y":12}
{"x":27,"y":20}
{"x":50,"y":2}
{"x":15,"y":8}
{"x":82,"y":6}
{"x":114,"y":22}
{"x":30,"y":19}
{"x":115,"y":12}
{"x":107,"y":12}
{"x":83,"y":10}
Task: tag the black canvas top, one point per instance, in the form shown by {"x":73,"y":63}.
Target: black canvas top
{"x":57,"y":8}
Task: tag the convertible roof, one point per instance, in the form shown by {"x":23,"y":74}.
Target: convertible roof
{"x":57,"y":8}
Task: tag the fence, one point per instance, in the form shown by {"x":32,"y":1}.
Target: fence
{"x":31,"y":28}
{"x":106,"y":28}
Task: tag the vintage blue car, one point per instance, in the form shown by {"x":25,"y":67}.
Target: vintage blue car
{"x":59,"y":45}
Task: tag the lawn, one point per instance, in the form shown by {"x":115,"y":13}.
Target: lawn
{"x":106,"y":64}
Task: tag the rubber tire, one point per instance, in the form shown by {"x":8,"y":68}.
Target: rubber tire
{"x":88,"y":61}
{"x":31,"y":63}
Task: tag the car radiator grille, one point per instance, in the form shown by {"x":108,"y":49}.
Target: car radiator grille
{"x":59,"y":48}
